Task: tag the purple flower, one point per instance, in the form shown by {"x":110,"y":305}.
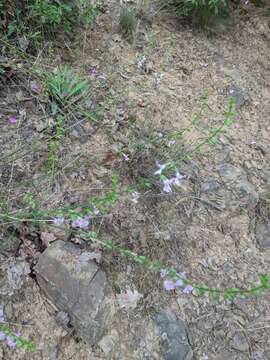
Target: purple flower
{"x":12,"y":119}
{"x":167,"y":185}
{"x":173,"y":181}
{"x":178,"y":178}
{"x":81,"y":223}
{"x":161,"y":168}
{"x":2,"y":336}
{"x":188,"y":289}
{"x":10,"y":342}
{"x":126,"y":157}
{"x":35,"y":87}
{"x":97,"y":74}
{"x":182,"y":275}
{"x":163,"y":273}
{"x":171,"y":142}
{"x":135,"y":197}
{"x":101,"y":77}
{"x":93,"y":71}
{"x":169,"y":285}
{"x":58,"y":221}
{"x":179,"y":283}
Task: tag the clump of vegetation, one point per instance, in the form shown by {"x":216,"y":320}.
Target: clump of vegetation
{"x":67,"y":93}
{"x":43,"y":18}
{"x":65,"y":87}
{"x":11,"y":338}
{"x":128,"y":22}
{"x":201,"y":11}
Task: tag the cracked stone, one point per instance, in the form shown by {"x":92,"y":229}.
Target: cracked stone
{"x":76,"y":288}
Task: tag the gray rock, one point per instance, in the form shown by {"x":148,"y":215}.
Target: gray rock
{"x":239,"y":342}
{"x":54,"y":353}
{"x":239,"y":94}
{"x":81,"y":132}
{"x":15,"y":272}
{"x":210,"y":186}
{"x":264,"y":148}
{"x":23,"y":43}
{"x":62,"y":318}
{"x":262,"y":231}
{"x":236,"y":180}
{"x":247,"y":192}
{"x":230,"y":173}
{"x":109,"y":342}
{"x":76,"y":287}
{"x":174,"y":339}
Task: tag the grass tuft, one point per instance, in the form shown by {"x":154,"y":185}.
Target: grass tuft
{"x":128,"y":22}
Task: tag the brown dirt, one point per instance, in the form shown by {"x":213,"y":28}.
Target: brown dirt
{"x":186,"y":229}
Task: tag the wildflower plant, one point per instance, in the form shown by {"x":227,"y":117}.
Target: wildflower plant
{"x":11,"y":338}
{"x":168,"y":168}
{"x":173,"y":280}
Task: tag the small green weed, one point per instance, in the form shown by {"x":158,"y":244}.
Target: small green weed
{"x":64,"y":87}
{"x":69,"y":96}
{"x":128,"y":22}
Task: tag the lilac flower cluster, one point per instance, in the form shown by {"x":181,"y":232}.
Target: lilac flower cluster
{"x":80,"y":222}
{"x":58,"y":221}
{"x":36,"y":87}
{"x":97,"y":74}
{"x":10,"y":340}
{"x":161,"y":167}
{"x":167,"y":183}
{"x":125,"y":157}
{"x":12,"y":119}
{"x":180,"y":283}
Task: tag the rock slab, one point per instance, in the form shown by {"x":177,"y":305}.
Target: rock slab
{"x":77,"y":287}
{"x":174,"y":342}
{"x":263,"y":234}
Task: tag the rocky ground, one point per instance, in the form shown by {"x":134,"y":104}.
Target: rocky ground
{"x":215,"y":226}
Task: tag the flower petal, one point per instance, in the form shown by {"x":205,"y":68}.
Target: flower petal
{"x":169,"y":285}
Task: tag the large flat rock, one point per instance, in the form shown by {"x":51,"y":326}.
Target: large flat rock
{"x":76,"y":286}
